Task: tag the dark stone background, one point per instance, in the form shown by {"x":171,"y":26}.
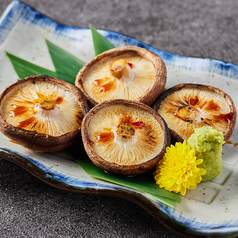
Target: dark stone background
{"x":31,"y":208}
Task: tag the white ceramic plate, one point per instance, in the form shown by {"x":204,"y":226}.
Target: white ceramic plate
{"x":209,"y":210}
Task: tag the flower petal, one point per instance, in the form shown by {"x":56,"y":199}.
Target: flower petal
{"x":178,"y":170}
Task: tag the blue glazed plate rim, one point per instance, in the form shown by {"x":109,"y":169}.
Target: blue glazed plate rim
{"x":159,"y":211}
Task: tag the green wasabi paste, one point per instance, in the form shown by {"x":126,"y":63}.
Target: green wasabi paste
{"x":207,"y":143}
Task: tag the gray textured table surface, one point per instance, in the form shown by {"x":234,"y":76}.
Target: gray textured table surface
{"x":30,"y":208}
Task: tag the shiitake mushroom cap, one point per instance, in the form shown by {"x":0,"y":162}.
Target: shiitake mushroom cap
{"x":37,"y":141}
{"x":149,"y":95}
{"x":231,"y":116}
{"x":162,"y":140}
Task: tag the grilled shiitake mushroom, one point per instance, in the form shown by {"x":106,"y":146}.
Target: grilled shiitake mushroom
{"x":129,"y":72}
{"x":42,"y":113}
{"x":185,"y":107}
{"x":124,"y":137}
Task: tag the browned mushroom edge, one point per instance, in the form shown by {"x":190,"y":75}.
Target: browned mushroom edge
{"x":36,"y":141}
{"x":160,"y":72}
{"x":231,"y":123}
{"x":116,"y":168}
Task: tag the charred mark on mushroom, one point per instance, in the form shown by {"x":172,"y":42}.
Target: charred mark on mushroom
{"x":193,"y":112}
{"x":59,"y":100}
{"x":27,"y":122}
{"x":17,"y":110}
{"x":211,"y":105}
{"x":104,"y":85}
{"x":131,"y":65}
{"x":104,"y":136}
{"x":97,"y":82}
{"x":126,"y":130}
{"x":128,"y":119}
{"x":194,"y":101}
{"x":138,"y":124}
{"x":226,"y":117}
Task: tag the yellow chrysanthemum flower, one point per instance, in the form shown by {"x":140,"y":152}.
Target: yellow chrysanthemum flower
{"x":178,"y":170}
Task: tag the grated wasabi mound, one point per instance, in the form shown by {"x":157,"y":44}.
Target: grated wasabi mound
{"x":207,"y":143}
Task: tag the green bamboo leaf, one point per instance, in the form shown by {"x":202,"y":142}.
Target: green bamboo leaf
{"x":101,"y":44}
{"x":143,"y":183}
{"x":24,"y":69}
{"x":63,"y":61}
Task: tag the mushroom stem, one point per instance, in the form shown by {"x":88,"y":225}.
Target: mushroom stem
{"x":47,"y":105}
{"x":122,"y":69}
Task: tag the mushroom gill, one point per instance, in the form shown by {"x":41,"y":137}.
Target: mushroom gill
{"x":134,"y":78}
{"x":42,"y":107}
{"x":125,"y":135}
{"x":185,"y":107}
{"x":42,"y":113}
{"x":129,"y":73}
